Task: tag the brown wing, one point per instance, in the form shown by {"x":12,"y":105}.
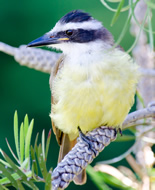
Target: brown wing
{"x":63,"y":139}
{"x":58,"y":133}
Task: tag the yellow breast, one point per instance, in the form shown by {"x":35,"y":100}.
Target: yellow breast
{"x":91,"y":95}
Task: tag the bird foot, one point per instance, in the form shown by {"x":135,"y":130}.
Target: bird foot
{"x":86,"y":140}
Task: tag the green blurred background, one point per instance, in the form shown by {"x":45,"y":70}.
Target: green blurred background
{"x":27,"y":90}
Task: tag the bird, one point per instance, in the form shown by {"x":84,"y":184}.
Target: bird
{"x":93,"y":83}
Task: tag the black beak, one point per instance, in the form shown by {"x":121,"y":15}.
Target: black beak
{"x":46,"y":40}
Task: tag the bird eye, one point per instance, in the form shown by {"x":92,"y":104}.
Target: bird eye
{"x":69,"y":32}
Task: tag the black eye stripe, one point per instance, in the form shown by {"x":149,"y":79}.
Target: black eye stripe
{"x":78,"y":35}
{"x":74,"y":31}
{"x":82,"y":35}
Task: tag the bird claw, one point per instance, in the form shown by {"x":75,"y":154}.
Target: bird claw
{"x":119,"y":131}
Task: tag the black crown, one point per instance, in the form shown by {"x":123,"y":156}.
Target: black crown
{"x":76,"y":16}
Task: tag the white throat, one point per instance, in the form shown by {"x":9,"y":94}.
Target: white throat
{"x":83,"y":52}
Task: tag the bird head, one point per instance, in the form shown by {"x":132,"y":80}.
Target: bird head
{"x":75,"y":29}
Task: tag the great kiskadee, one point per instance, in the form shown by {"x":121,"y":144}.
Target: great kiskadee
{"x":92,"y":84}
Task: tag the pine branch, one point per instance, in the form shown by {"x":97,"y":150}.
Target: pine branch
{"x":35,"y":58}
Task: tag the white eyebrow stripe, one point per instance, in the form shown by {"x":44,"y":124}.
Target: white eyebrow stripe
{"x":87,"y":25}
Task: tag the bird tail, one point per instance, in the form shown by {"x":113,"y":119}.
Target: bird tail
{"x":65,"y":147}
